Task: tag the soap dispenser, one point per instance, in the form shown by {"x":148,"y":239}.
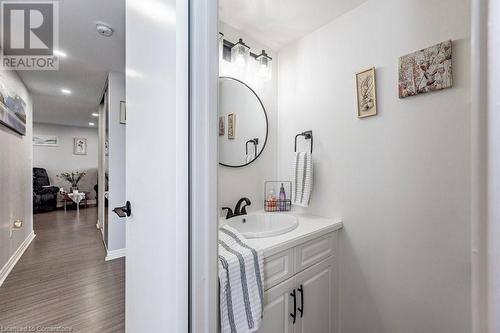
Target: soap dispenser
{"x":282,"y":198}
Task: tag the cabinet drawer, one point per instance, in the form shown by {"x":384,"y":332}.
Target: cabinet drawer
{"x":278,"y":268}
{"x":314,"y":251}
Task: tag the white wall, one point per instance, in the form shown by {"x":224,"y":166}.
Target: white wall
{"x":16,"y":193}
{"x":250,"y":179}
{"x":61,"y":159}
{"x":399,"y":180}
{"x":116,"y":161}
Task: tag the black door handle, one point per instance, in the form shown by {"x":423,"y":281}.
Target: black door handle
{"x":123,"y":211}
{"x":294,"y":314}
{"x":301,"y":309}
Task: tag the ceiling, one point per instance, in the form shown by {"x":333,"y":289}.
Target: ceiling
{"x":276,"y":23}
{"x":89,"y":58}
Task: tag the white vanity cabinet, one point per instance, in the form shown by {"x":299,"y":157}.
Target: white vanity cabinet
{"x":301,"y":281}
{"x":318,"y":308}
{"x":277,"y":309}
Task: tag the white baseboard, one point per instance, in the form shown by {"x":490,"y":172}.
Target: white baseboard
{"x":9,"y":265}
{"x":115,"y":254}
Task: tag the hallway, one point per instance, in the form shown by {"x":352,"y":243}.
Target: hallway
{"x":62,"y":279}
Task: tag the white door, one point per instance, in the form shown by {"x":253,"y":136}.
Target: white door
{"x":316,"y":299}
{"x":156,"y":166}
{"x":278,"y":305}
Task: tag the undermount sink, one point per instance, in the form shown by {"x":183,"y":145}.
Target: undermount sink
{"x":259,"y":225}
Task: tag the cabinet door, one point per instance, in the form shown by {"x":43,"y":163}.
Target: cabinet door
{"x":278,"y":304}
{"x":316,"y":298}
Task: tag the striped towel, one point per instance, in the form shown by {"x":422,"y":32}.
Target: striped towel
{"x":303,"y":169}
{"x":241,"y":278}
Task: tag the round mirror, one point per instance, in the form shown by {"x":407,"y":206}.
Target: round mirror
{"x":242,"y":123}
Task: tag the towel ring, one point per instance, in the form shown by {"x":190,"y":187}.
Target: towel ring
{"x":255,"y":143}
{"x":308,"y":135}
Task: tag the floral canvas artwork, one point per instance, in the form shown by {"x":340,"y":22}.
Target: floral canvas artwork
{"x":426,"y":70}
{"x":366,"y":93}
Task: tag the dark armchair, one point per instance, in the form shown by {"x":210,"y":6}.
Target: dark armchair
{"x":44,"y":195}
{"x":96,"y":189}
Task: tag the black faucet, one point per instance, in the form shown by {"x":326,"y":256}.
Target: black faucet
{"x":229,"y":212}
{"x":238,"y":210}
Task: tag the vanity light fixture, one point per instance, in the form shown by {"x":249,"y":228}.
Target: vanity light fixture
{"x":240,"y":53}
{"x":264,"y":65}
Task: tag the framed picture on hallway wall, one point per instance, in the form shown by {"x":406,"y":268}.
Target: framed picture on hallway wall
{"x":12,"y":108}
{"x":80,"y":146}
{"x":45,"y":140}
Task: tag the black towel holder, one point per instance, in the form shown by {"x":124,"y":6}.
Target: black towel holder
{"x":308,"y":135}
{"x":255,"y":143}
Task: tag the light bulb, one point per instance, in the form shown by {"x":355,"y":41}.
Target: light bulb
{"x":240,"y":60}
{"x":240,"y":53}
{"x":264,"y":65}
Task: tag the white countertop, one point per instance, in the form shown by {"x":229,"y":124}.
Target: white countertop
{"x":309,"y":228}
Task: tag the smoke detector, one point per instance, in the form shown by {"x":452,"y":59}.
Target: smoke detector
{"x":104,"y":29}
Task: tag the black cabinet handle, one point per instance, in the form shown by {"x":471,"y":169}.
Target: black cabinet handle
{"x":294,"y":314}
{"x":301,"y":309}
{"x":123,"y":211}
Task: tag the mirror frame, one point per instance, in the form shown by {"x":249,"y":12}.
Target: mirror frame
{"x":267,"y":123}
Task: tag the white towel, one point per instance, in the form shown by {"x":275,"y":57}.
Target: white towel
{"x":241,"y":278}
{"x":303,"y":178}
{"x":250,"y":157}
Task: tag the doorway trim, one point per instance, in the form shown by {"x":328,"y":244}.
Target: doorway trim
{"x":479,"y":166}
{"x":203,"y":165}
{"x":101,"y":163}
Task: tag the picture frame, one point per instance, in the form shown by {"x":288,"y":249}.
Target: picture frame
{"x":123,"y":112}
{"x":222,"y":126}
{"x":45,"y":140}
{"x":426,"y":70}
{"x":231,"y":126}
{"x":80,"y":146}
{"x":366,"y":93}
{"x":12,"y":108}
